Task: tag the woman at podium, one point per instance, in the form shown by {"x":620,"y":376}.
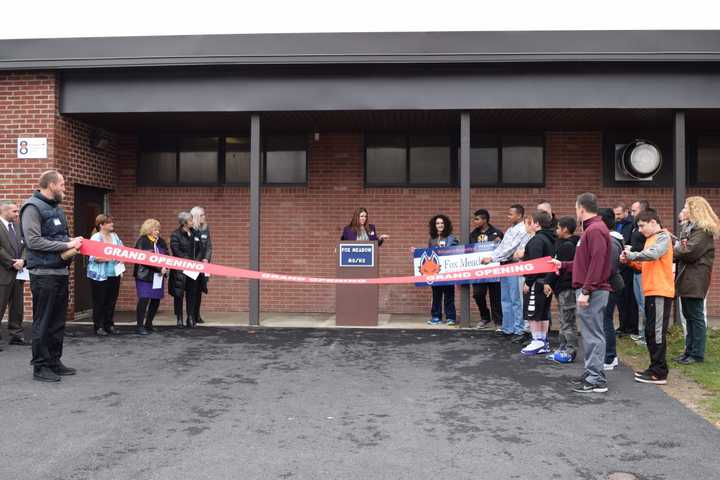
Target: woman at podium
{"x":360,"y":229}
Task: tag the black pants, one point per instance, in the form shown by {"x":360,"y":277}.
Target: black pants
{"x":11,"y":298}
{"x":629,"y":310}
{"x":480,"y":292}
{"x":657,"y":312}
{"x":49,"y":302}
{"x":146,"y":310}
{"x":191,"y":294}
{"x":443,"y":297}
{"x":104,"y":297}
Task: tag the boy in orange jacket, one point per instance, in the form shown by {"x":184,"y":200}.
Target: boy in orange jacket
{"x":658,"y":284}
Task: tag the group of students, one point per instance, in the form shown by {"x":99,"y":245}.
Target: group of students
{"x":615,"y":259}
{"x":190,"y":240}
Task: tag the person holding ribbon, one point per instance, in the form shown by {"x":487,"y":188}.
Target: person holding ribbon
{"x":184,"y":284}
{"x":104,"y":276}
{"x":149,"y":280}
{"x":360,"y":229}
{"x":442,"y":296}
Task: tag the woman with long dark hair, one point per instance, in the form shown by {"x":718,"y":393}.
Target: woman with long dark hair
{"x":360,"y":228}
{"x":441,"y":235}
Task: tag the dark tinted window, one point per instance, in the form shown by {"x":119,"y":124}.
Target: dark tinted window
{"x":522,"y":159}
{"x":385,"y":159}
{"x":708,"y":160}
{"x":286,"y":159}
{"x":430,"y":160}
{"x":199,"y":160}
{"x":157,"y":163}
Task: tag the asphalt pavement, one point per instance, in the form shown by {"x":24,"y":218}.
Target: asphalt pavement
{"x":238,"y":403}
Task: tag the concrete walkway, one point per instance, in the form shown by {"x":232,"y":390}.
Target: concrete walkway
{"x":229,"y":403}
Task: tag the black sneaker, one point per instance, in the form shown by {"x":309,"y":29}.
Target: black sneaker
{"x":18,"y":341}
{"x":112,"y":331}
{"x":142,"y":331}
{"x":647,"y":377}
{"x":200,"y":320}
{"x":681,"y":358}
{"x":44,"y":374}
{"x":100,"y":332}
{"x":690,"y":360}
{"x":587,"y":387}
{"x":61,"y":369}
{"x":640,"y":373}
{"x":519,"y":338}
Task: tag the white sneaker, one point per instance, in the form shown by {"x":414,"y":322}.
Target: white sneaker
{"x":612,"y":365}
{"x":534,"y":348}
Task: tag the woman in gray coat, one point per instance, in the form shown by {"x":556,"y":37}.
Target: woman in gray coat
{"x":695,"y":254}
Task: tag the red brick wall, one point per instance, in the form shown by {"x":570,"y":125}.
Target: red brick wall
{"x":29,"y":107}
{"x":300,"y":225}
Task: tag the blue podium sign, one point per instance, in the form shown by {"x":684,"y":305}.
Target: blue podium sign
{"x":357,"y":255}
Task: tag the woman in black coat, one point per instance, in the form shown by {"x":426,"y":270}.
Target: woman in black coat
{"x":182,"y":244}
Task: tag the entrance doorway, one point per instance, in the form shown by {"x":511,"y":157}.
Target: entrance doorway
{"x":89,"y":203}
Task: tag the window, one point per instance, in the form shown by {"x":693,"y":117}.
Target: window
{"x":409,"y":160}
{"x":286,"y":160}
{"x":507,"y":160}
{"x":157,"y":162}
{"x":173,"y":160}
{"x":198,"y":161}
{"x":705,"y":161}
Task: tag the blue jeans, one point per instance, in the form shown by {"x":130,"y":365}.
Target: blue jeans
{"x":640,"y":299}
{"x":511,"y":301}
{"x":610,"y":340}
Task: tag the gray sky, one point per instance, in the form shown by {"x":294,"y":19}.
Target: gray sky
{"x":80,"y":18}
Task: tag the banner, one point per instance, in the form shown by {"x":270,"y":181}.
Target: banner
{"x":144,"y":257}
{"x":432,"y":261}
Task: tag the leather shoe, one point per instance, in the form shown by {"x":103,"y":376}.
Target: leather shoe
{"x":45,"y":374}
{"x":61,"y":369}
{"x":18,"y":341}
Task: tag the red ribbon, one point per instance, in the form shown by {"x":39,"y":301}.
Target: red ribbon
{"x":144,"y":257}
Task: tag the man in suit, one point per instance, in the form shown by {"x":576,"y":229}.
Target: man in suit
{"x":11,"y":262}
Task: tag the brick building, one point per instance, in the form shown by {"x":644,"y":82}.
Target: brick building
{"x":290,"y":133}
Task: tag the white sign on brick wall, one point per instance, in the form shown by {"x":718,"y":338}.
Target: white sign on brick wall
{"x":32,"y":147}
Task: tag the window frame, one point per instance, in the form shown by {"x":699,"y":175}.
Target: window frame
{"x":692,"y":148}
{"x":176,"y":140}
{"x":263,"y":166}
{"x":498,"y":137}
{"x":407,"y":135}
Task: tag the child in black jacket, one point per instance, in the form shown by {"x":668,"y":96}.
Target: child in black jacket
{"x":561,"y":285}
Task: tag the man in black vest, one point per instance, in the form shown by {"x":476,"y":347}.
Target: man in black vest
{"x":48,"y":243}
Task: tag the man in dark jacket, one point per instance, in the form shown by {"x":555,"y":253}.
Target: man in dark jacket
{"x":590,"y":274}
{"x":561,"y":285}
{"x":624,"y":224}
{"x":485,"y":232}
{"x":536,"y":303}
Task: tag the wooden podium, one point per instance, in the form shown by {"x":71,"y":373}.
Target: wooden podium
{"x":357,"y":305}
